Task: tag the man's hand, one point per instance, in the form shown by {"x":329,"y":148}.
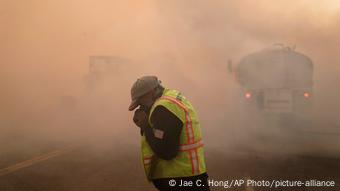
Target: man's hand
{"x":140,"y":118}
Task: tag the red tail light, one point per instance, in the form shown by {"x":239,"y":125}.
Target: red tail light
{"x":247,"y":95}
{"x":306,"y":95}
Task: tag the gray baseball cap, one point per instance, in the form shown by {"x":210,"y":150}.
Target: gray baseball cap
{"x":142,"y":86}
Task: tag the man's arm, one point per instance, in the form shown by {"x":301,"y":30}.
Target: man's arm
{"x":164,"y":137}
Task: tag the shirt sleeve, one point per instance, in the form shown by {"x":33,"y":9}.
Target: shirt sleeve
{"x":164,"y":137}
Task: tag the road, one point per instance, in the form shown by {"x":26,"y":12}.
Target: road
{"x":89,"y":167}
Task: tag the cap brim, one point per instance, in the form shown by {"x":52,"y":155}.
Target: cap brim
{"x":133,"y":105}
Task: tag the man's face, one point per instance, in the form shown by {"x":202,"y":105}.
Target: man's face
{"x":147,"y":100}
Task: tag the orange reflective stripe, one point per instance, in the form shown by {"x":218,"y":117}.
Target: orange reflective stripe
{"x":192,"y":146}
{"x":188,"y":124}
{"x":198,"y":162}
{"x":177,"y":102}
{"x":190,"y":130}
{"x":194,"y":161}
{"x":192,"y":143}
{"x":147,"y":160}
{"x":187,"y":147}
{"x":148,"y":157}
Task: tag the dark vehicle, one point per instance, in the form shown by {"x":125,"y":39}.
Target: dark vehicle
{"x":277,"y":80}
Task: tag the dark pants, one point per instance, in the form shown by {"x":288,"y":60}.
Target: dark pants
{"x":192,"y":183}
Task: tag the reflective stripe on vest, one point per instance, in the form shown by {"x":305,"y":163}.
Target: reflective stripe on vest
{"x":147,"y":160}
{"x":182,"y":147}
{"x":190,"y":136}
{"x":188,"y":123}
{"x":190,"y":158}
{"x":186,"y":147}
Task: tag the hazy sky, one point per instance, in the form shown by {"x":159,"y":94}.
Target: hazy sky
{"x":45,"y":44}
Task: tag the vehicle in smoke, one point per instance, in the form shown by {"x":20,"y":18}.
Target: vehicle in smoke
{"x":102,"y":71}
{"x":276,"y":81}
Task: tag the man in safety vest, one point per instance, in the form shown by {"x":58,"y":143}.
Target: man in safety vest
{"x":171,"y":140}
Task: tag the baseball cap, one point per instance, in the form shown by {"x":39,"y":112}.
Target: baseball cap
{"x":142,"y":86}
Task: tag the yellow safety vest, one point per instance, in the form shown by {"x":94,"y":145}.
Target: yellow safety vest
{"x":190,"y":158}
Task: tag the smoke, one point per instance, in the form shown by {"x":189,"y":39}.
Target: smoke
{"x":45,"y":48}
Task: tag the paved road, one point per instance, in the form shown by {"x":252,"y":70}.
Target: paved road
{"x":116,"y":166}
{"x":90,"y":168}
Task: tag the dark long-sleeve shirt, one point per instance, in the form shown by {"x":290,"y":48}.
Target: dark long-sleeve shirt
{"x":164,"y":137}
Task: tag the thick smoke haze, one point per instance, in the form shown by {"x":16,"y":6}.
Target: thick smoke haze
{"x":45,"y":49}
